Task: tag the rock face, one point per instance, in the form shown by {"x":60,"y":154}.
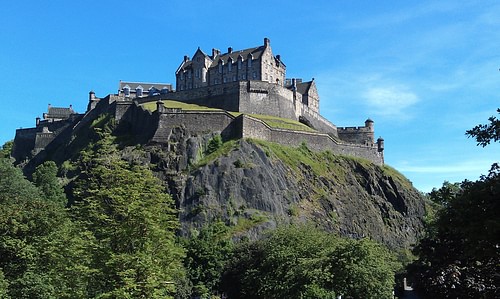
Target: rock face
{"x":252,"y":185}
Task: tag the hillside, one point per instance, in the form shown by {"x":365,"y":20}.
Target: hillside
{"x":253,"y":185}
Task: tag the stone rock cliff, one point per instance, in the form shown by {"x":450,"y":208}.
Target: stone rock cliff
{"x":252,"y":185}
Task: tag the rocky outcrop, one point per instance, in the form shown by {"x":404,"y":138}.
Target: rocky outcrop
{"x":252,"y":185}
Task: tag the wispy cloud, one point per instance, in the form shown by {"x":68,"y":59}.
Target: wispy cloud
{"x":390,"y":101}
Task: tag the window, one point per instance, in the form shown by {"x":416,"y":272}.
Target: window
{"x":197,"y":73}
{"x":138,"y":91}
{"x":239,"y":63}
{"x":229,"y":66}
{"x":216,"y":81}
{"x":234,"y":77}
{"x":244,"y":76}
{"x":189,"y":74}
{"x":254,"y":75}
{"x":225,"y":79}
{"x":249,"y":62}
{"x":220,"y":66}
{"x":126,"y":91}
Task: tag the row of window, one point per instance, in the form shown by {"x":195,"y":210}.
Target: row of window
{"x":139,"y":91}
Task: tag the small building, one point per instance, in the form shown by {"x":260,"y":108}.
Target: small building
{"x":58,"y":113}
{"x":143,"y":89}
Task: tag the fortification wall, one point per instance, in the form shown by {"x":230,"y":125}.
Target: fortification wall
{"x":195,"y":122}
{"x":258,"y":97}
{"x":24,"y":143}
{"x":318,"y":122}
{"x":223,"y":96}
{"x":255,"y":128}
{"x":356,"y":135}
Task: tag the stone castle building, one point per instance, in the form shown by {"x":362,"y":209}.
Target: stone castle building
{"x":250,"y":81}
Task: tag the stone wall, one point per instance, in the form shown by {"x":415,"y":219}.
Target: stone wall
{"x":356,"y":135}
{"x":255,"y":128}
{"x":195,"y":123}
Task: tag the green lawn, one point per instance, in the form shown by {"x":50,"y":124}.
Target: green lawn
{"x":151,"y":106}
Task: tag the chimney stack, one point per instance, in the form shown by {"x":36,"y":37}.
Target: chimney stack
{"x":267,"y":42}
{"x":230,"y":50}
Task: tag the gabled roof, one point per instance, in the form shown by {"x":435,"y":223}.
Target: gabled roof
{"x":256,"y":54}
{"x":303,"y":88}
{"x":58,"y":112}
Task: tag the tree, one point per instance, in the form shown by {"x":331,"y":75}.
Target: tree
{"x":45,"y":178}
{"x":6,"y":150}
{"x":484,"y":133}
{"x":459,"y":256}
{"x":133,"y":222}
{"x":207,"y":253}
{"x":305,"y":262}
{"x":39,"y":245}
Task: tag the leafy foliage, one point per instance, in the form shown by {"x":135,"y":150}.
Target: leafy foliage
{"x":305,"y":262}
{"x":484,"y":133}
{"x":133,"y":224}
{"x":39,"y":246}
{"x":45,"y":178}
{"x":459,"y":257}
{"x":206,"y":255}
{"x":6,"y":149}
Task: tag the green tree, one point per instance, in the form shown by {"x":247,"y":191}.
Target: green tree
{"x":45,"y":178}
{"x":305,"y":262}
{"x":6,"y":150}
{"x":133,"y":223}
{"x":207,"y":253}
{"x":485,"y":133}
{"x":459,"y":256}
{"x":39,"y":245}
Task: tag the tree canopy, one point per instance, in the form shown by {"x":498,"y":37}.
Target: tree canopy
{"x":459,"y":257}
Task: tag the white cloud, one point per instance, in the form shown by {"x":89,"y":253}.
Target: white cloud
{"x":390,"y":101}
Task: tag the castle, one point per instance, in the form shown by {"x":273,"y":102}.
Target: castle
{"x":250,"y":82}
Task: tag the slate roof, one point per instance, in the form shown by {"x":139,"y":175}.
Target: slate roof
{"x":256,"y":54}
{"x":145,"y":85}
{"x":303,"y":88}
{"x":58,"y":112}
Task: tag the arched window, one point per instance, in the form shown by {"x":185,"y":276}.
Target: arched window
{"x":220,"y":66}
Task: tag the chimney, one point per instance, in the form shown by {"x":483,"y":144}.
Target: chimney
{"x":294,"y":84}
{"x":230,"y":50}
{"x":186,"y":58}
{"x":91,"y":95}
{"x":278,"y":57}
{"x":267,"y":42}
{"x":215,"y":53}
{"x":37,"y":121}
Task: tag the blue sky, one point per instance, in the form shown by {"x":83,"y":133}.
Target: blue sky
{"x":424,"y":71}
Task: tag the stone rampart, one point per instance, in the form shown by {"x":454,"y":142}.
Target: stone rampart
{"x":195,"y":123}
{"x":356,"y":135}
{"x":255,"y":128}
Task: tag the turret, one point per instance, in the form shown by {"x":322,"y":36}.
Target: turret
{"x":369,"y":124}
{"x":160,"y":106}
{"x":380,"y":144}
